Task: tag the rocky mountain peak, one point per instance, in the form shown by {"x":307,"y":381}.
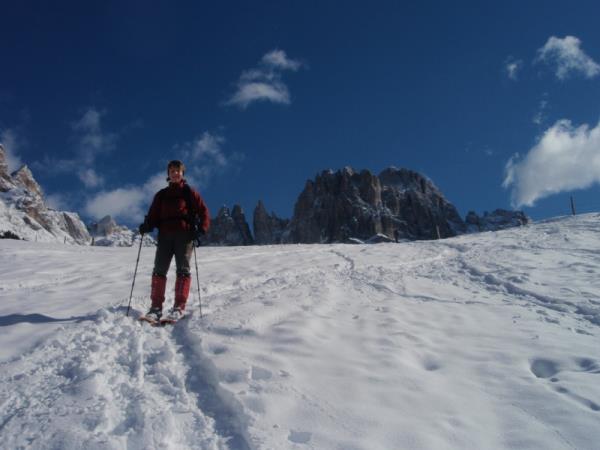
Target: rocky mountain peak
{"x":24,"y":178}
{"x":268,"y":228}
{"x":24,"y":214}
{"x":405,"y":180}
{"x":229,"y":227}
{"x":346,"y":205}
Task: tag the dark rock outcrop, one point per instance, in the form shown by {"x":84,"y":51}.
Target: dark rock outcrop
{"x":418,"y":207}
{"x":229,"y":228}
{"x":345,"y":205}
{"x":499,"y":219}
{"x":268,"y":228}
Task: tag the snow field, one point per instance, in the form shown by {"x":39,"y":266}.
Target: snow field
{"x":481,"y":341}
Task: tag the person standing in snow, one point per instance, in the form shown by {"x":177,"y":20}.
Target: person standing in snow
{"x":181,"y":216}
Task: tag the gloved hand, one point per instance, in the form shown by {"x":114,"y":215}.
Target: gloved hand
{"x":198,"y":234}
{"x":145,"y":228}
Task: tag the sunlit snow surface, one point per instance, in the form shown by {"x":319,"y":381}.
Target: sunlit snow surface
{"x":485,"y":341}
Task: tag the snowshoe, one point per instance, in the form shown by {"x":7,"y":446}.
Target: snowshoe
{"x":152,"y":316}
{"x":173,"y":316}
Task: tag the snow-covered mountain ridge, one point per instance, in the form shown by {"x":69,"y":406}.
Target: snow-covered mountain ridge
{"x":484,"y":341}
{"x":107,"y":233}
{"x":25,"y":215}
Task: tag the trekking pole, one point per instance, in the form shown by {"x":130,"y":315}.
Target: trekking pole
{"x":198,"y":281}
{"x":135,"y":273}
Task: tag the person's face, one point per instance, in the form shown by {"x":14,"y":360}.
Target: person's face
{"x":175,"y":174}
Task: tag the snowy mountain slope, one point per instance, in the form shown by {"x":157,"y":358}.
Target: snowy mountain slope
{"x":480,"y":341}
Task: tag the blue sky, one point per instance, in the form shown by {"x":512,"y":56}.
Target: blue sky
{"x":497,"y":102}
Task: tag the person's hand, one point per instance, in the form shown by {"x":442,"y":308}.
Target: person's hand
{"x":198,"y":234}
{"x":145,"y":228}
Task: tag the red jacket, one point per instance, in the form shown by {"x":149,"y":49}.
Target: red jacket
{"x":169,"y":209}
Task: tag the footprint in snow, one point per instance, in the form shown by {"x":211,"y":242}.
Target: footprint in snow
{"x":300,"y":437}
{"x":218,"y":349}
{"x":258,"y":373}
{"x":544,"y":368}
{"x":548,"y":369}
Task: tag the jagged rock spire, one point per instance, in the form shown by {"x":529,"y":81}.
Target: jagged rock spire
{"x":268,"y":228}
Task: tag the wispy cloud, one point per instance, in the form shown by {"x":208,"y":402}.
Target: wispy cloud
{"x":205,"y":157}
{"x":264,"y":82}
{"x":90,"y":140}
{"x":90,"y":178}
{"x":564,"y":159}
{"x":540,"y":115}
{"x":278,"y":59}
{"x":567,"y":57}
{"x":10,"y":142}
{"x":512,"y":67}
{"x":58,"y":201}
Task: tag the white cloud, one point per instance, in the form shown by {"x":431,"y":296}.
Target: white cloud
{"x":540,"y":115}
{"x":90,"y":138}
{"x":90,"y":178}
{"x":247,"y":93}
{"x":279,"y":59}
{"x":512,"y":68}
{"x":564,"y":159}
{"x":57,"y":201}
{"x":204,"y":157}
{"x":121,"y":203}
{"x":10,"y":142}
{"x":209,"y":147}
{"x":128,"y":203}
{"x":568,"y":57}
{"x":264,"y":83}
{"x":90,"y":141}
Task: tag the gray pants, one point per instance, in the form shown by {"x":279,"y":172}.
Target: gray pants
{"x":181,"y":246}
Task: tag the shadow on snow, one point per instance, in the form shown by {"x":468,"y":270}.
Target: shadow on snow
{"x":13,"y":319}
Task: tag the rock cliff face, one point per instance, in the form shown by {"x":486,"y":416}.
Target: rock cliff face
{"x":418,"y":207}
{"x":499,"y":219}
{"x":6,"y":183}
{"x":24,"y":214}
{"x":345,"y":205}
{"x":268,"y":228}
{"x":229,"y":228}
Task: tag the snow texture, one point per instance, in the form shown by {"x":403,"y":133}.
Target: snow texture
{"x":485,"y":341}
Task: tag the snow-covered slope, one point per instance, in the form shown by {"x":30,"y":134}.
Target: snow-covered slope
{"x":486,"y":341}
